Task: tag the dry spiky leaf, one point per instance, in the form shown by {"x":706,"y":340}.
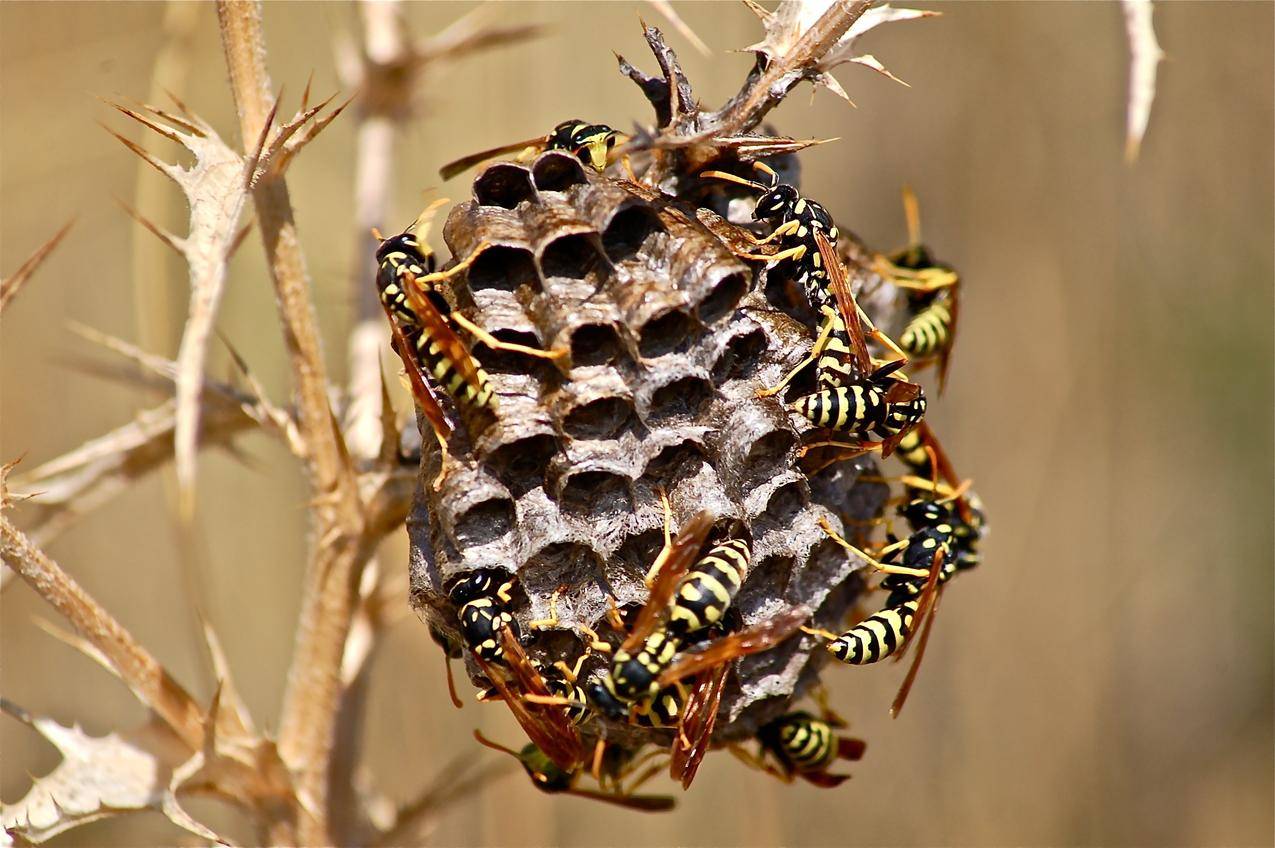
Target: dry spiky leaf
{"x":98,"y":777}
{"x":216,"y":191}
{"x":11,"y":285}
{"x":787,"y":25}
{"x":1145,"y":56}
{"x":72,"y":485}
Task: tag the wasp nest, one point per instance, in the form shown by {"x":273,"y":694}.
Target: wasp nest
{"x":669,"y":338}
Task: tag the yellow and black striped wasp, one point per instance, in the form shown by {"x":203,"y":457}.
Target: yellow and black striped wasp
{"x":855,"y":396}
{"x":799,"y":744}
{"x":615,"y":766}
{"x":647,"y":671}
{"x":590,"y":143}
{"x":423,"y":325}
{"x":933,"y":291}
{"x":796,"y":219}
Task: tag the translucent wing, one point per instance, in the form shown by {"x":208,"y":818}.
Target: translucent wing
{"x":545,"y":724}
{"x":760,"y":637}
{"x":677,"y":559}
{"x":695,"y":728}
{"x":928,"y":605}
{"x":421,"y":391}
{"x":439,"y":330}
{"x":464,"y":163}
{"x":845,"y":301}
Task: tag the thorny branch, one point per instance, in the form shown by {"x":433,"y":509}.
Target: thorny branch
{"x":136,"y":666}
{"x":291,"y":789}
{"x":312,"y":697}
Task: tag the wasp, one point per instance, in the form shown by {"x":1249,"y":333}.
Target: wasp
{"x":423,"y":324}
{"x":648,"y":669}
{"x":932,"y":473}
{"x":548,"y":776}
{"x":856,"y":396}
{"x":933,"y":296}
{"x":795,"y":219}
{"x":699,"y":599}
{"x":913,"y":586}
{"x":590,"y":143}
{"x":803,"y":745}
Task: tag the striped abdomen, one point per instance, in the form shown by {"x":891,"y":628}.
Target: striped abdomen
{"x":398,"y":258}
{"x":877,"y":636}
{"x":706,"y":592}
{"x":435,"y":362}
{"x":855,"y":408}
{"x":835,"y":366}
{"x":928,"y":332}
{"x":911,"y":452}
{"x":664,"y":710}
{"x":803,"y":742}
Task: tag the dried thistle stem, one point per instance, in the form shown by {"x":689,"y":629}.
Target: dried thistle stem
{"x":136,"y":666}
{"x":313,"y":694}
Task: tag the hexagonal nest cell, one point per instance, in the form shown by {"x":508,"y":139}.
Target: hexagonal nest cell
{"x":667,"y":338}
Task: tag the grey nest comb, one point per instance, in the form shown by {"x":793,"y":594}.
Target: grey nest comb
{"x":670,"y":336}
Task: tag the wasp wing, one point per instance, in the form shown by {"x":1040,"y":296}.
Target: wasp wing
{"x":677,"y":558}
{"x":695,"y":727}
{"x":439,"y":330}
{"x":845,"y":301}
{"x":545,"y":724}
{"x":760,"y":637}
{"x":464,"y":163}
{"x":421,"y":390}
{"x":926,"y":609}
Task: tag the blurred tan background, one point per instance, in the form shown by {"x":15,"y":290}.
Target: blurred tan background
{"x":1105,"y":679}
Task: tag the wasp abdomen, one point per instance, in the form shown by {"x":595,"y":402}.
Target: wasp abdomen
{"x":877,"y":636}
{"x":928,"y":332}
{"x":855,"y":408}
{"x":705,"y":594}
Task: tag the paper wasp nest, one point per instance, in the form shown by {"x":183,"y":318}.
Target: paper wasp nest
{"x":670,"y":337}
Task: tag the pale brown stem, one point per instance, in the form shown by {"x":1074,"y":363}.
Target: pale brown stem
{"x":313,"y":694}
{"x":150,"y":682}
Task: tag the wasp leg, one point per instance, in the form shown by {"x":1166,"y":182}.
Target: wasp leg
{"x":668,"y":540}
{"x":651,"y":771}
{"x":595,"y":641}
{"x":552,"y":620}
{"x":820,"y":343}
{"x":782,"y":230}
{"x":496,"y":344}
{"x":775,"y":258}
{"x":927,"y":280}
{"x":879,"y":566}
{"x":752,"y":760}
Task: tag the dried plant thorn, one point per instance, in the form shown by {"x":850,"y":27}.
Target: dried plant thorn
{"x":177,"y":243}
{"x":171,"y":171}
{"x":11,"y":285}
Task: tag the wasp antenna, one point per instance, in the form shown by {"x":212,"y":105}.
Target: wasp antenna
{"x":732,"y":178}
{"x":768,"y":171}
